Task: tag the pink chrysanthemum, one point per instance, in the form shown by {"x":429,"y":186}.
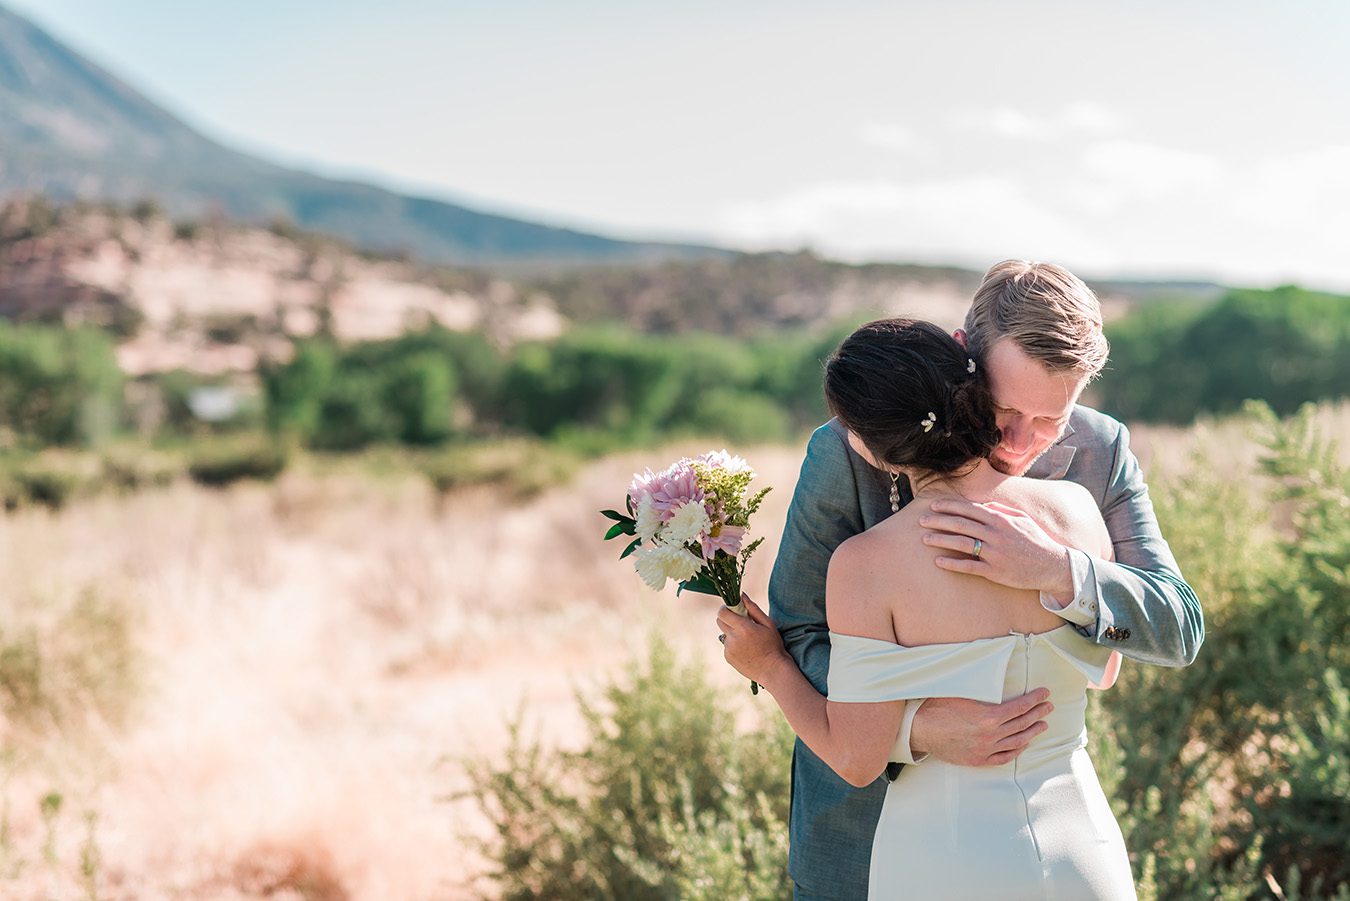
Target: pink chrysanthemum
{"x":727,"y":538}
{"x":668,"y":489}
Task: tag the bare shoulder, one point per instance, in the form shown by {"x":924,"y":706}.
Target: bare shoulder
{"x":859,"y":572}
{"x":1069,"y":512}
{"x":1063,"y":493}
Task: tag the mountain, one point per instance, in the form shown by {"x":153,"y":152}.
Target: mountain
{"x":70,"y":129}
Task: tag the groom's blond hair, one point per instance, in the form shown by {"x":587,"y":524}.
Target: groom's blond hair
{"x":1047,"y":310}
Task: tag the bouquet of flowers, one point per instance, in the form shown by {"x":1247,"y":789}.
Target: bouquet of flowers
{"x":689,"y":522}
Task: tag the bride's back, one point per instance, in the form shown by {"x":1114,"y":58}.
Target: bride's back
{"x":885,"y":584}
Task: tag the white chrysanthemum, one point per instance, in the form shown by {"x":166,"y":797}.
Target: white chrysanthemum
{"x":727,"y":461}
{"x":687,"y":524}
{"x":648,"y":519}
{"x":663,"y":561}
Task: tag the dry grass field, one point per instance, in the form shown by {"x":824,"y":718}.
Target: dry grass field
{"x":304,"y":665}
{"x":268,"y":691}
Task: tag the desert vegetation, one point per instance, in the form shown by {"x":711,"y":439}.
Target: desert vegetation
{"x":345,"y":684}
{"x":1229,"y":777}
{"x":439,"y":396}
{"x":333,"y":620}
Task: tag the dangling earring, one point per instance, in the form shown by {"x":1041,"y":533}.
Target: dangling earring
{"x":895,"y":492}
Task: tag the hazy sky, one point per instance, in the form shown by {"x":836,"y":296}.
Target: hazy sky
{"x":1148,"y":138}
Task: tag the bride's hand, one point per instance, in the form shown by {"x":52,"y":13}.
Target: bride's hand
{"x":751,"y":643}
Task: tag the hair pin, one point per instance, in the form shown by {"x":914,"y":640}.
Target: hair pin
{"x":970,"y":364}
{"x":929,"y":422}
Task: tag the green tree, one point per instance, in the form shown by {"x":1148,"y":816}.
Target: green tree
{"x":59,"y":386}
{"x":1286,"y":347}
{"x":295,"y":390}
{"x":610,"y":380}
{"x":353,"y":412}
{"x":419,"y":391}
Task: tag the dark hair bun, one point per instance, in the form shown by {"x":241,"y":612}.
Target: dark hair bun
{"x":889,"y":375}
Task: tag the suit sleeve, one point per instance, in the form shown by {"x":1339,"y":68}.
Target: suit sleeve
{"x":825,"y":511}
{"x":1146,"y":609}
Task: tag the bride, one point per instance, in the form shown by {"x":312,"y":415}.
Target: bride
{"x":901,"y":628}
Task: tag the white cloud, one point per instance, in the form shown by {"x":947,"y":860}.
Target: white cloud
{"x":1004,"y":121}
{"x":963,"y":219}
{"x":888,"y":136}
{"x":1304,"y":190}
{"x":1077,"y":119}
{"x":1279,"y":218}
{"x":1091,"y":118}
{"x":1113,"y":173}
{"x":1119,"y":207}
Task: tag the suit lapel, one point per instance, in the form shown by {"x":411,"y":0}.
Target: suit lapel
{"x":1054,"y":463}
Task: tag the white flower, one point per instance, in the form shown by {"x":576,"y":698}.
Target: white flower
{"x":687,"y":524}
{"x":648,"y":519}
{"x":663,"y":561}
{"x":724,"y":460}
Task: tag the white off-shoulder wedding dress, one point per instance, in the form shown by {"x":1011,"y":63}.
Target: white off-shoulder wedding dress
{"x":1038,"y":827}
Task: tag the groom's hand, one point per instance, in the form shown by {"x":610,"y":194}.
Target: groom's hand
{"x":1013,"y":549}
{"x":972,"y":733}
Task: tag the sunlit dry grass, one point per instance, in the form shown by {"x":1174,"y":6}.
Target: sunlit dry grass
{"x":302,"y":666}
{"x":313,"y":658}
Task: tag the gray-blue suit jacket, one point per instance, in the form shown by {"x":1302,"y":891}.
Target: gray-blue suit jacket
{"x":1143,"y":608}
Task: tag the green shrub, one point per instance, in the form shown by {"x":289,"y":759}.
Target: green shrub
{"x":63,"y":658}
{"x":1232,"y":772}
{"x":353,"y":414}
{"x":58,"y":386}
{"x":637,"y":388}
{"x":406,"y":390}
{"x":525,"y":468}
{"x":47,"y":487}
{"x":739,"y":416}
{"x":608,"y":379}
{"x":419,"y":392}
{"x":478,"y":368}
{"x":129,"y":469}
{"x":295,"y":391}
{"x":225,"y":462}
{"x":1230,"y":778}
{"x":666,"y":801}
{"x":1286,"y":347}
{"x":51,"y":479}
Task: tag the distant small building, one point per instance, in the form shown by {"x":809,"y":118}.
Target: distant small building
{"x":214,"y":403}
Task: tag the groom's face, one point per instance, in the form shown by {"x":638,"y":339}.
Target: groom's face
{"x":1032,"y":405}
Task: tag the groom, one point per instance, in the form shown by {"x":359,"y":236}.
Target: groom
{"x":1037,"y":330}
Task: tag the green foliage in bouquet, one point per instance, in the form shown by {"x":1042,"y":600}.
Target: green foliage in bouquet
{"x":722,"y":578}
{"x":666,"y":801}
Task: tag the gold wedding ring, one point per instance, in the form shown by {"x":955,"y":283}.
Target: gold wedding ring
{"x":979,"y":546}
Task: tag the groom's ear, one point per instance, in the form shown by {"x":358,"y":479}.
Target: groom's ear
{"x":960,"y":336}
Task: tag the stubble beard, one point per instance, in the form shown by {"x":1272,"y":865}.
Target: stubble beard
{"x":1008,"y":469}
